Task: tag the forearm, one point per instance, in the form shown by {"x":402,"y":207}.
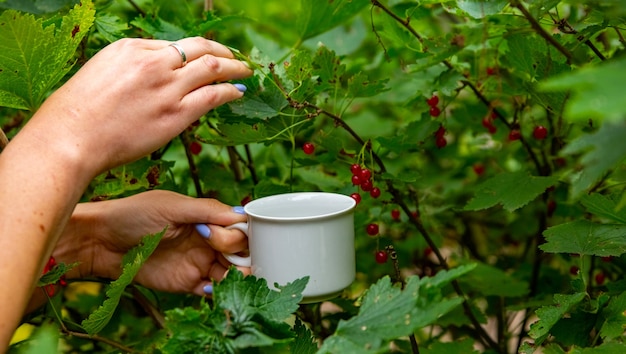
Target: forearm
{"x":40,"y":183}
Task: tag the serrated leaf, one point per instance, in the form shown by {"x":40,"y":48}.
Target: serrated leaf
{"x":595,"y":91}
{"x":320,"y":16}
{"x":604,"y":348}
{"x":601,"y":151}
{"x":481,"y":8}
{"x":260,"y":102}
{"x":491,"y":281}
{"x":236,"y":293}
{"x":34,"y":58}
{"x":550,"y":315}
{"x":131,"y":264}
{"x":53,"y":276}
{"x":359,"y":85}
{"x":614,"y":318}
{"x":586,"y":238}
{"x":513,"y":190}
{"x":110,"y":27}
{"x":305,"y":342}
{"x":159,"y":28}
{"x":388,"y":312}
{"x":603,"y":206}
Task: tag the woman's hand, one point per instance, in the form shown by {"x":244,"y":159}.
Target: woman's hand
{"x":133,"y":97}
{"x":100,"y":233}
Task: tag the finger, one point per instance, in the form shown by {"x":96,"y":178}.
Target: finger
{"x":224,"y":262}
{"x":194,"y":48}
{"x":208,"y":69}
{"x":205,"y":98}
{"x":225,"y":240}
{"x":182,"y":209}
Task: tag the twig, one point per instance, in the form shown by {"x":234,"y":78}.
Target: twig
{"x":193,"y":168}
{"x":542,"y":32}
{"x":565,"y":27}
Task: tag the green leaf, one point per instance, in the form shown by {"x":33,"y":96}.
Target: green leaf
{"x":603,"y":206}
{"x":317,"y":17}
{"x":159,"y":28}
{"x":55,"y":274}
{"x":465,"y":346}
{"x":550,"y":315}
{"x":614,"y":318}
{"x":596,"y":91}
{"x":304,"y":343}
{"x":586,"y":238}
{"x":110,"y":27}
{"x":131,"y":264}
{"x":34,"y":58}
{"x":601,"y":151}
{"x":604,"y":348}
{"x":491,"y":281}
{"x":45,"y":340}
{"x":513,"y":190}
{"x":388,"y":312}
{"x":262,"y":102}
{"x":238,"y":294}
{"x":481,"y":8}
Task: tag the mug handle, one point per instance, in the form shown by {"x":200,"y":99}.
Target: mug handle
{"x":233,"y":258}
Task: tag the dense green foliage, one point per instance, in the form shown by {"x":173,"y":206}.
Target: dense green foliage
{"x":501,"y":206}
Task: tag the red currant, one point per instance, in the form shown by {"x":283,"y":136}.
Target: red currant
{"x":355,"y":169}
{"x":308,"y":148}
{"x":607,"y":259}
{"x":365,"y":174}
{"x":491,"y":71}
{"x":434,"y":111}
{"x":381,"y":257}
{"x":487,"y":122}
{"x":356,"y":197}
{"x":479,"y":169}
{"x":367,"y":185}
{"x":247,"y":199}
{"x":540,"y":132}
{"x":375,"y":192}
{"x":441,"y":142}
{"x":428,"y":251}
{"x":395,"y":214}
{"x":195,"y":147}
{"x":573,"y":270}
{"x":440,"y":132}
{"x":433,"y":101}
{"x":372,"y":229}
{"x":600,"y":277}
{"x":356,"y":180}
{"x":514,"y":135}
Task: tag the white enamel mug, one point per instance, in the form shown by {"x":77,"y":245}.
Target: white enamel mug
{"x":301,"y":234}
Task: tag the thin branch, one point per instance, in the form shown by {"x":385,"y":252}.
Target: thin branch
{"x":541,"y":31}
{"x":193,"y":168}
{"x":566,"y":28}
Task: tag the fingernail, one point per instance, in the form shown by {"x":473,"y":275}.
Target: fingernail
{"x":203,"y":230}
{"x":245,"y":63}
{"x":208,"y":289}
{"x":240,"y":87}
{"x":239,"y":210}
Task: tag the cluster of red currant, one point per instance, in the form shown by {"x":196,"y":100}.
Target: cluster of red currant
{"x":433,"y":101}
{"x":49,"y":288}
{"x":488,"y":120}
{"x":362,"y":177}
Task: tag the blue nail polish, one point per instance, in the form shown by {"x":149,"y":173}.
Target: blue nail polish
{"x":203,"y":230}
{"x":208,"y":289}
{"x":239,"y":210}
{"x":240,"y":87}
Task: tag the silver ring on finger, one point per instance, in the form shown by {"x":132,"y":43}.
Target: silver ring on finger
{"x":180,"y":50}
